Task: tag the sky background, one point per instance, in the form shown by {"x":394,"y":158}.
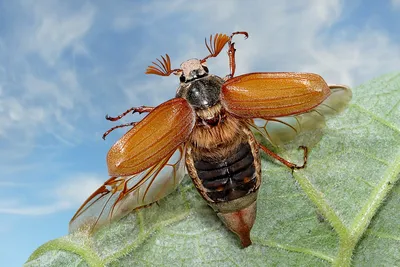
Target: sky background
{"x":65,"y":64}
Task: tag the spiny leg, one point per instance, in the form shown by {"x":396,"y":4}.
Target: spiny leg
{"x":284,"y":161}
{"x":139,"y":110}
{"x":246,"y":35}
{"x":119,"y":126}
{"x":231,"y":54}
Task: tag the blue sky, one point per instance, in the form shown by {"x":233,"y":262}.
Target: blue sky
{"x":65,"y":64}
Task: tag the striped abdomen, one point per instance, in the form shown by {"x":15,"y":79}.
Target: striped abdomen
{"x":230,"y":178}
{"x":224,"y":164}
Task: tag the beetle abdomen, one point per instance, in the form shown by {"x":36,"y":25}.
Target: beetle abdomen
{"x":230,"y":178}
{"x":224,"y":164}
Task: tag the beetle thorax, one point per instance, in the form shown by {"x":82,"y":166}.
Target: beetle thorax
{"x":201,"y":93}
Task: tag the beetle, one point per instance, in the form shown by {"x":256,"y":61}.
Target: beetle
{"x":208,"y":129}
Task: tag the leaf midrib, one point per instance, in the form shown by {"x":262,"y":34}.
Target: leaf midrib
{"x":350,"y":236}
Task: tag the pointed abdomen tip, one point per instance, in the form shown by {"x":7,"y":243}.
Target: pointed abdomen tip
{"x":240,"y":222}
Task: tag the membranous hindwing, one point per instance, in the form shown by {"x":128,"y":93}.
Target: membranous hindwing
{"x":281,"y":130}
{"x":120,"y":195}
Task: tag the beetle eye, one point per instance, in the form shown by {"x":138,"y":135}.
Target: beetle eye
{"x":205,"y":69}
{"x":182,"y":78}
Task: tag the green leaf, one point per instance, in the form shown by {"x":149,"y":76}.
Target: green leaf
{"x":342,"y":210}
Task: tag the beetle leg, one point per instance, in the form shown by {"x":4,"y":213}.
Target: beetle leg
{"x":119,"y":126}
{"x":139,"y":110}
{"x":232,"y":62}
{"x":284,"y":161}
{"x":231,"y":54}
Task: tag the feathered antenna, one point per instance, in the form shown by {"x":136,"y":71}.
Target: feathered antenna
{"x":162,"y":68}
{"x":215,"y":46}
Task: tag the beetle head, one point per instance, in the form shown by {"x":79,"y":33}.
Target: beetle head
{"x":193,"y":69}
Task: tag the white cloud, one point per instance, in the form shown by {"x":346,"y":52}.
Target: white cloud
{"x":129,"y":15}
{"x":367,"y":55}
{"x":69,"y":195}
{"x":396,"y":3}
{"x":55,"y":30}
{"x":44,"y":105}
{"x":11,"y":184}
{"x":18,"y":209}
{"x":16,"y":116}
{"x":36,"y":99}
{"x":124,"y":23}
{"x":77,"y":189}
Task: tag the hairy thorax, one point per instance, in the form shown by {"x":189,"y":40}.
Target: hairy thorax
{"x":216,"y":134}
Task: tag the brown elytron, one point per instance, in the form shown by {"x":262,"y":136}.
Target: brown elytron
{"x":157,"y":142}
{"x":208,"y":128}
